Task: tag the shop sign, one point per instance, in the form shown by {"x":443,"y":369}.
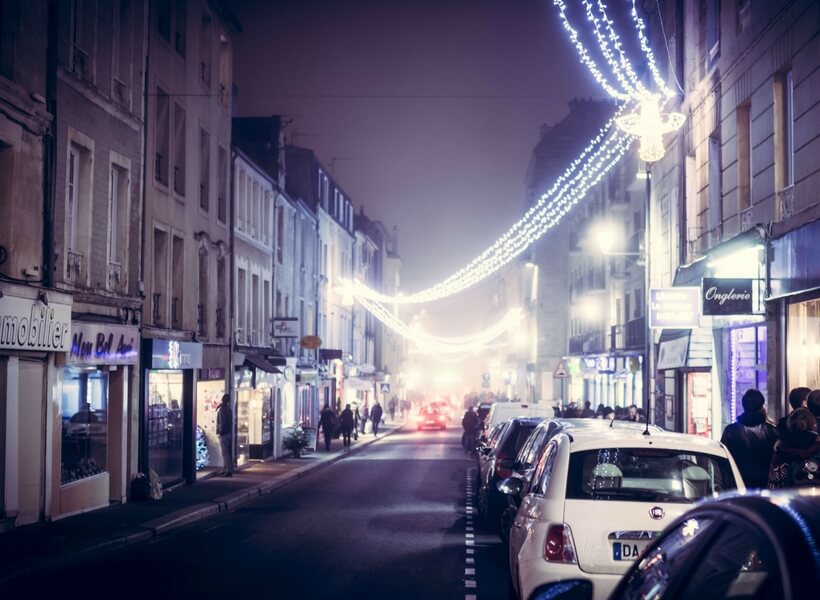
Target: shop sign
{"x":311,"y":342}
{"x":728,"y":296}
{"x":27,"y":324}
{"x":328,"y":354}
{"x":103,"y":344}
{"x":674,"y":308}
{"x":171,"y":354}
{"x":286,"y":328}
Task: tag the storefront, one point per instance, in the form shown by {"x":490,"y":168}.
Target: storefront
{"x":210,"y":387}
{"x":255,"y":381}
{"x":169,"y":439}
{"x":94,"y":392}
{"x":35,"y":336}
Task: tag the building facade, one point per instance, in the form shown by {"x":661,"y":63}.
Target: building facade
{"x":187,"y":325}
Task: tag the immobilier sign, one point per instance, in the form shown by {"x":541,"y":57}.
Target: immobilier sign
{"x":27,"y":324}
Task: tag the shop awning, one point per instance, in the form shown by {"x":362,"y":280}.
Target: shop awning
{"x":685,"y":349}
{"x":260,"y":363}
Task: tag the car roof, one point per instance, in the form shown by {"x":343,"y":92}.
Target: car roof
{"x":594,"y":438}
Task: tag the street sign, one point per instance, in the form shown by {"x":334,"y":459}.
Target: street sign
{"x":485,"y":380}
{"x":674,"y":308}
{"x":561,"y":371}
{"x":385,"y":388}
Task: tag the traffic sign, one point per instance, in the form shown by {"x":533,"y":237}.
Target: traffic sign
{"x":385,"y":388}
{"x":561,"y":371}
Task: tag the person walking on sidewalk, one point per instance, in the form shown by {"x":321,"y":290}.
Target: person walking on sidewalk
{"x":346,"y":424}
{"x":797,"y":454}
{"x":394,"y":404}
{"x":376,"y":417}
{"x":365,"y":416}
{"x":751,"y":440}
{"x":224,"y":429}
{"x":327,"y":421}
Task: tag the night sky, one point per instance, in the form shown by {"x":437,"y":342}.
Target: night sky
{"x":430,"y":108}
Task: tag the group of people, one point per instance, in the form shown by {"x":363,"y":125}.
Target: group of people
{"x":348,"y":423}
{"x":777,"y":456}
{"x":619,"y":413}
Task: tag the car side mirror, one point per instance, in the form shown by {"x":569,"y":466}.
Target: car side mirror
{"x":485,"y":450}
{"x":570,"y":589}
{"x":511,"y":486}
{"x":507,"y":463}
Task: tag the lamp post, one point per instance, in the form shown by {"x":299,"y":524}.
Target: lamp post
{"x":647,"y":352}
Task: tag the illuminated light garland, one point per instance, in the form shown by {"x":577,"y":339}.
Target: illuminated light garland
{"x":565,"y":193}
{"x":586,"y":59}
{"x":441,"y":345}
{"x":648,"y":124}
{"x":650,"y":57}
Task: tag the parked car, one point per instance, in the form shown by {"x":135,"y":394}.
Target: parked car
{"x":490,"y":500}
{"x":504,"y":411}
{"x":755,"y":546}
{"x":430,"y":418}
{"x":523,"y":466}
{"x":87,"y":424}
{"x":599,"y":495}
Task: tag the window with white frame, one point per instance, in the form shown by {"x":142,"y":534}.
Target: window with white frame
{"x":78,"y":210}
{"x":118,"y":209}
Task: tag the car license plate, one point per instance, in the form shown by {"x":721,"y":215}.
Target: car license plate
{"x":628,"y":550}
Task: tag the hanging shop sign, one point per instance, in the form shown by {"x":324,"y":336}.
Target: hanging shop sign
{"x":310,"y":342}
{"x":27,"y":324}
{"x":171,"y":354}
{"x":728,"y":296}
{"x":286,"y":328}
{"x":674,"y":308}
{"x":103,"y":344}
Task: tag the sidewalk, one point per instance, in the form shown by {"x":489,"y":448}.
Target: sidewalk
{"x":26,"y":550}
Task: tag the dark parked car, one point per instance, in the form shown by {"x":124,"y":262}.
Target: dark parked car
{"x":752,"y":546}
{"x":507,"y":445}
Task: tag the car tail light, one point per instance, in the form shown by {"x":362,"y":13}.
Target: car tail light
{"x":441,"y":417}
{"x":559,"y":546}
{"x":500,"y":471}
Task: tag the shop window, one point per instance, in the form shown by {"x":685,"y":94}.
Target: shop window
{"x":747,"y":365}
{"x":165,"y":424}
{"x":84,"y":411}
{"x":803,"y":345}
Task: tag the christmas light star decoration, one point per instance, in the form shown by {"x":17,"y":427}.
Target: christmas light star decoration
{"x":649,"y":125}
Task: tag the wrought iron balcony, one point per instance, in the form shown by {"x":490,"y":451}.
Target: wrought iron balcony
{"x":627,"y":336}
{"x":74,"y":266}
{"x":115,"y":279}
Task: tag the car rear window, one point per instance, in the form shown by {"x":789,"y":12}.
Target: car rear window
{"x":516,"y":437}
{"x":647,"y":475}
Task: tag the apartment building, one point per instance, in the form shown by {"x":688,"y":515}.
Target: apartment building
{"x":187,"y":325}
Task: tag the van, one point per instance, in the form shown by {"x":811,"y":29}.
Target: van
{"x":504,"y":411}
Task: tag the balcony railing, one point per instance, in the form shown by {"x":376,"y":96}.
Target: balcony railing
{"x":627,"y":336}
{"x":74,"y":266}
{"x":591,"y":341}
{"x":201,"y":320}
{"x":239,"y":336}
{"x":156,"y":316}
{"x":115,"y":279}
{"x":220,"y":322}
{"x":175,"y":316}
{"x":785,"y":203}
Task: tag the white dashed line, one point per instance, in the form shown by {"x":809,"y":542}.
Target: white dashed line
{"x":469,"y":572}
{"x":470,"y":561}
{"x":470,"y":550}
{"x":470,"y":597}
{"x":470,"y":583}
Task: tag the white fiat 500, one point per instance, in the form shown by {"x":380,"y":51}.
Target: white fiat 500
{"x":600,"y":494}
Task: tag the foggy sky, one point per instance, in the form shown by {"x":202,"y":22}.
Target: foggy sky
{"x":430,"y":109}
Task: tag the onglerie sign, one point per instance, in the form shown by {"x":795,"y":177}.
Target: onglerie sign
{"x":27,"y":324}
{"x":727,"y":296}
{"x":674,"y":308}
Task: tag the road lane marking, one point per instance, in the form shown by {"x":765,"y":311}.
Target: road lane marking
{"x":469,"y":571}
{"x":470,"y":583}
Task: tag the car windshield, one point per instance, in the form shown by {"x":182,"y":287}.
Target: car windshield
{"x":647,"y":475}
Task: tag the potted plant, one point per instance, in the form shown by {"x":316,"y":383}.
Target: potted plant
{"x":296,"y":441}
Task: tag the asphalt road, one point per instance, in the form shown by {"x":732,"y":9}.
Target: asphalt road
{"x":390,"y":521}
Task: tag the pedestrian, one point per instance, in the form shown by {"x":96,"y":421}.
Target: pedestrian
{"x":813,"y":404}
{"x":357,"y":417}
{"x":394,"y":403}
{"x":376,"y":417}
{"x":365,"y":416}
{"x":346,"y":424}
{"x":224,"y":429}
{"x":797,"y":399}
{"x":327,"y":422}
{"x":751,"y":440}
{"x":632,"y":414}
{"x":587,"y":412}
{"x":469,"y":423}
{"x":797,"y":455}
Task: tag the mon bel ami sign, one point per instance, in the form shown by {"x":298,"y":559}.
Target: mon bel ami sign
{"x":674,"y":308}
{"x":27,"y":324}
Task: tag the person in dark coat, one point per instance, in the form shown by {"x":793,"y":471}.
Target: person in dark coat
{"x":224,"y":429}
{"x":587,"y":412}
{"x":797,"y":399}
{"x":376,"y":417}
{"x":346,"y":424}
{"x":751,"y":440}
{"x":813,"y":404}
{"x":327,"y":421}
{"x":365,"y":415}
{"x":797,"y":455}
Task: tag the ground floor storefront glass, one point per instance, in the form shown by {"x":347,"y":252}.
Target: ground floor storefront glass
{"x":165,"y":424}
{"x":747,"y":354}
{"x":699,"y":418}
{"x":84,"y":410}
{"x":803,"y":345}
{"x":208,"y":451}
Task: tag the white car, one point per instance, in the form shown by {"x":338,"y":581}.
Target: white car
{"x":600,"y":494}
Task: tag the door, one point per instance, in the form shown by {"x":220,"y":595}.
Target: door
{"x":32,"y":438}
